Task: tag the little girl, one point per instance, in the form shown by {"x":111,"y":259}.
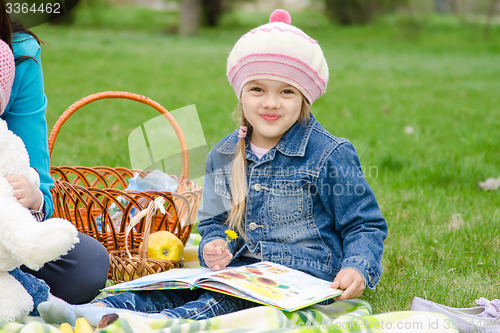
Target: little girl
{"x":294,"y":192}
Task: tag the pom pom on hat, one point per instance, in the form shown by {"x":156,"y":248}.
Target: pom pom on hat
{"x":7,"y":73}
{"x":279,"y":51}
{"x":280,"y":15}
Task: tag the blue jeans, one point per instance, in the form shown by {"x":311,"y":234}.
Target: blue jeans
{"x":197,"y":304}
{"x":37,"y":288}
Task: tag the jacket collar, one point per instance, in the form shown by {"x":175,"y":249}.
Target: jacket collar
{"x":293,"y":142}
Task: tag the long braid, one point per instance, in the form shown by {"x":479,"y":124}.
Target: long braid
{"x":239,"y":190}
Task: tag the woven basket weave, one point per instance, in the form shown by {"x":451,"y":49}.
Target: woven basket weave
{"x":126,"y":265}
{"x":83,"y":195}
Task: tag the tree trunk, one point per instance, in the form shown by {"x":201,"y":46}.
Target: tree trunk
{"x":349,"y":12}
{"x":189,"y":22}
{"x":490,"y":14}
{"x":441,"y":6}
{"x":212,"y":12}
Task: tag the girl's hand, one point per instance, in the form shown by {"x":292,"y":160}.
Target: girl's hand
{"x":25,"y":192}
{"x":351,"y":281}
{"x":216,"y":258}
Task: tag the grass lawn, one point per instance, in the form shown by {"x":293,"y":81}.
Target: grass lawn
{"x":418,"y":98}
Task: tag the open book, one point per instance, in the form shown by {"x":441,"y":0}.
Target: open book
{"x":263,"y":282}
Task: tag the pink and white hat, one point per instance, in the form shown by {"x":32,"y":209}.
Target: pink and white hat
{"x":7,"y":73}
{"x":279,"y":51}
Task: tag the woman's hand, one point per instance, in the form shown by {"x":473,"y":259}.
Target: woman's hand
{"x":351,"y":281}
{"x":25,"y":192}
{"x":216,"y":258}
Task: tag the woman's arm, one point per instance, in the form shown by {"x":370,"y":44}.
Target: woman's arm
{"x":26,"y":111}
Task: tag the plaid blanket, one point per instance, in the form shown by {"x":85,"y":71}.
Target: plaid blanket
{"x":346,"y":316}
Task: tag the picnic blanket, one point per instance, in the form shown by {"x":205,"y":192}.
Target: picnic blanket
{"x":345,"y":316}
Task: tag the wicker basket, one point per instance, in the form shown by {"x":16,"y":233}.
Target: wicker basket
{"x":83,"y":195}
{"x":127,"y":265}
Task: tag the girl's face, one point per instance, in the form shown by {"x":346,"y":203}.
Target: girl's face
{"x":271,"y":107}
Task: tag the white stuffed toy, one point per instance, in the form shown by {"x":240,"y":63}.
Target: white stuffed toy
{"x":23,"y":240}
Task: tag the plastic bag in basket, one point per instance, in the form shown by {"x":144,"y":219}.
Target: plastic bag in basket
{"x":156,"y":180}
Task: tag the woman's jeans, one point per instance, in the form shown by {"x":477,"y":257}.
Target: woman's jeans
{"x":197,"y":304}
{"x":76,"y":277}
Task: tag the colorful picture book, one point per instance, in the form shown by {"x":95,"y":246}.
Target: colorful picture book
{"x":263,"y":282}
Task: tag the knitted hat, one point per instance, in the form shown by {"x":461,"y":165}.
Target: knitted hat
{"x":279,"y":51}
{"x":7,"y":73}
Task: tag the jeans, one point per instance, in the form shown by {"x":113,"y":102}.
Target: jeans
{"x":37,"y":288}
{"x":197,"y":304}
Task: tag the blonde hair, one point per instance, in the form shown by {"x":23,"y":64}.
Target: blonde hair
{"x":239,"y":189}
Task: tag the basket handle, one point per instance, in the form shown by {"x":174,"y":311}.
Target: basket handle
{"x":148,"y":213}
{"x":125,"y":95}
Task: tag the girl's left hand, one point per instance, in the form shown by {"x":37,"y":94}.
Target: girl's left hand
{"x":25,"y":192}
{"x":351,"y":281}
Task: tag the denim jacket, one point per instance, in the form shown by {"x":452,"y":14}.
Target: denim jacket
{"x":309,"y":206}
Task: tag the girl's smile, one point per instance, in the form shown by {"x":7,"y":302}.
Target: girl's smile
{"x":271,"y":107}
{"x":270,"y":117}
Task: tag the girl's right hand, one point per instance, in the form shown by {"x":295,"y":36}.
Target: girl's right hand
{"x":216,"y":258}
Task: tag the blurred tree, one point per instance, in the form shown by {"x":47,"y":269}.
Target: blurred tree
{"x":189,"y":22}
{"x":212,"y":11}
{"x":349,"y":12}
{"x":492,"y":10}
{"x":441,"y":6}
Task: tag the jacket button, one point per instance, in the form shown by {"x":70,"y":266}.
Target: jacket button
{"x":252,"y":226}
{"x":257,"y":187}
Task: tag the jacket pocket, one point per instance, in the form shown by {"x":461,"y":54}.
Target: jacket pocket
{"x":289,"y":200}
{"x":223,"y":185}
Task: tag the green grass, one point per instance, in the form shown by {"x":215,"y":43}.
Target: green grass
{"x":438,"y":75}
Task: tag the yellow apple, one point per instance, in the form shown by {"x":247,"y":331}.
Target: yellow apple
{"x":126,"y":275}
{"x":164,"y":245}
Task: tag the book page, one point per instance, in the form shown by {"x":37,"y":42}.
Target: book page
{"x":263,"y":282}
{"x":178,"y":278}
{"x":273,"y":284}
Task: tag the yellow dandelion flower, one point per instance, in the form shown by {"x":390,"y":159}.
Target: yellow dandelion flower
{"x":230,"y":236}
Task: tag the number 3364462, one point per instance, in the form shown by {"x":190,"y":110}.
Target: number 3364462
{"x":25,"y":8}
